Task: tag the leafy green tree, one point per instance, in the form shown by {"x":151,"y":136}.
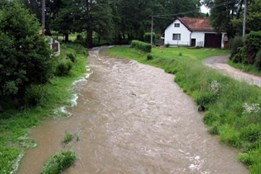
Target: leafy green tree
{"x":253,"y":22}
{"x":24,"y":55}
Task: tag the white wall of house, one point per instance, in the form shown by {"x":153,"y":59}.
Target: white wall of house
{"x":186,"y":35}
{"x":200,"y":38}
{"x":182,"y":30}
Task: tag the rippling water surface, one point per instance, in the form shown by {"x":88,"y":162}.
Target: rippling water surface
{"x":132,"y":119}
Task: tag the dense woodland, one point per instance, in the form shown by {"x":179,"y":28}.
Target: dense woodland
{"x":119,"y":21}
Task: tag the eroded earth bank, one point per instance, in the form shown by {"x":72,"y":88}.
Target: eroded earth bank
{"x":132,"y":119}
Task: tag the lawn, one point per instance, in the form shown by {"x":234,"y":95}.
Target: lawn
{"x":15,"y":124}
{"x":170,"y":53}
{"x":232,"y":109}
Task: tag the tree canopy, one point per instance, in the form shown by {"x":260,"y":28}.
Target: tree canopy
{"x":24,"y":55}
{"x":113,"y":20}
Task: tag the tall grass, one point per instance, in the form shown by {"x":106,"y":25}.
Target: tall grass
{"x":232,"y":108}
{"x":16,"y":123}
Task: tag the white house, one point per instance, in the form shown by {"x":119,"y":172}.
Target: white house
{"x":195,"y":32}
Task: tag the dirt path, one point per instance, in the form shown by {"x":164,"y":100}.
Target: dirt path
{"x":220,"y":63}
{"x":133,"y":119}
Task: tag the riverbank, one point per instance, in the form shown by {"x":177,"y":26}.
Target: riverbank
{"x":232,"y":108}
{"x":15,"y":124}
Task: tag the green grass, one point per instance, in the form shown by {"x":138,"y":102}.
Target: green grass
{"x":59,"y":162}
{"x":15,"y":124}
{"x":245,"y":67}
{"x":232,"y":108}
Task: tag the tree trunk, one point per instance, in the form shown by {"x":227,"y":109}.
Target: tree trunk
{"x":89,"y":39}
{"x":66,"y":37}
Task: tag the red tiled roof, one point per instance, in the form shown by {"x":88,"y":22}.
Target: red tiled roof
{"x":196,"y":24}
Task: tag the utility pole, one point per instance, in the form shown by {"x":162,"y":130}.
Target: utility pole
{"x":43,"y":17}
{"x":151,"y":31}
{"x":244,"y":18}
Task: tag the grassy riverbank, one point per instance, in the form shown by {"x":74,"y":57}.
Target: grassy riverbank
{"x":15,"y":124}
{"x":232,"y":108}
{"x":245,"y":67}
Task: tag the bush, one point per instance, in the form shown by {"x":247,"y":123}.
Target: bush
{"x":147,"y":37}
{"x":258,"y":60}
{"x":251,"y":133}
{"x":59,"y":162}
{"x":253,"y":45}
{"x":149,"y":57}
{"x":35,"y":95}
{"x":141,"y":46}
{"x":63,"y":68}
{"x":24,"y":54}
{"x":236,"y":43}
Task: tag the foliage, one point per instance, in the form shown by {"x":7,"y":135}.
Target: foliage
{"x":15,"y":123}
{"x":236,"y":43}
{"x":63,"y":68}
{"x":253,"y":45}
{"x":59,"y":162}
{"x":253,"y":22}
{"x":233,"y":107}
{"x":107,"y":20}
{"x":149,"y":57}
{"x":71,"y":57}
{"x":258,"y":60}
{"x":141,"y":46}
{"x":35,"y":95}
{"x":228,"y":15}
{"x":248,"y":52}
{"x":24,"y":55}
{"x":68,"y":138}
{"x":147,"y":37}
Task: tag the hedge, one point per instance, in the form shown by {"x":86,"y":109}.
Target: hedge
{"x":141,"y":46}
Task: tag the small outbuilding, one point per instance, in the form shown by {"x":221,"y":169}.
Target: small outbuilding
{"x":194,"y":32}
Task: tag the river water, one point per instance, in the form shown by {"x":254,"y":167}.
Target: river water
{"x":132,"y":119}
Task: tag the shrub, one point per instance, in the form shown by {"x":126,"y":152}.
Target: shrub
{"x":141,"y":46}
{"x":24,"y":54}
{"x":251,"y":133}
{"x":167,"y":45}
{"x":253,"y":45}
{"x":35,"y":95}
{"x":59,"y":162}
{"x":147,"y":37}
{"x":236,"y":43}
{"x":258,"y":60}
{"x":149,"y":57}
{"x":63,"y":68}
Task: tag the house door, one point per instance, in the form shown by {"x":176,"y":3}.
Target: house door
{"x":193,"y":42}
{"x":213,"y":40}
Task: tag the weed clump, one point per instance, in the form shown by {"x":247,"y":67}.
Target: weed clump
{"x":149,"y":57}
{"x":68,"y":138}
{"x":59,"y":162}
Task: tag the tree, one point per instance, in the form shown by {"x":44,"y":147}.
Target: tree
{"x":24,"y":55}
{"x":253,"y":22}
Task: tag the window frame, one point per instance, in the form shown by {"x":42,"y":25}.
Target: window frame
{"x":176,"y":25}
{"x":178,"y":36}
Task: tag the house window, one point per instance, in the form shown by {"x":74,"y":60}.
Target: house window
{"x":177,"y":25}
{"x":176,"y":36}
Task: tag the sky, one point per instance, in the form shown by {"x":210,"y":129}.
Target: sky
{"x":204,"y":9}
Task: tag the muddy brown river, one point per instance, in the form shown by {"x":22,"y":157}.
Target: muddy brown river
{"x":132,"y":119}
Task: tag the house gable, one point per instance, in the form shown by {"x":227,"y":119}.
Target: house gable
{"x":177,"y":34}
{"x":197,"y":32}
